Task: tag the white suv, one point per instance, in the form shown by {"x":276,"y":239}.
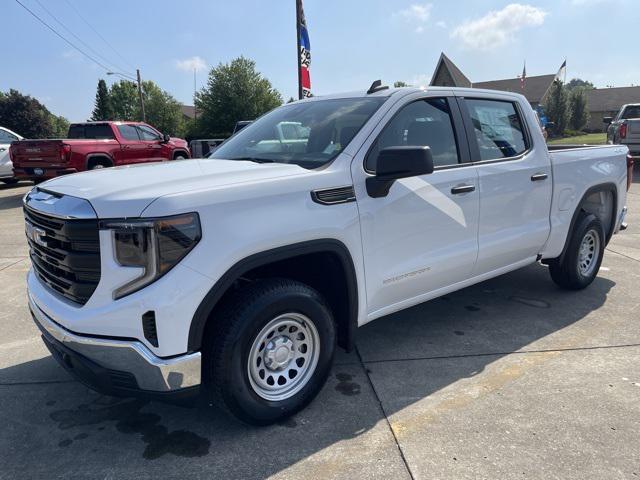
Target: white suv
{"x":6,"y":165}
{"x":242,"y":271}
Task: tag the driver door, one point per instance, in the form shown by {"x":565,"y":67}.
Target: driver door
{"x":422,"y":237}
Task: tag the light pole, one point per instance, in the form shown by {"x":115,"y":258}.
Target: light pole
{"x":139,"y":82}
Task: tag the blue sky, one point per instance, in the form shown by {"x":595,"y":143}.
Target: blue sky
{"x":353,"y":42}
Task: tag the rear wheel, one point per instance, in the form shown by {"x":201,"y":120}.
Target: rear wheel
{"x":269,"y":352}
{"x":99,"y":163}
{"x":9,"y":181}
{"x":581,"y":262}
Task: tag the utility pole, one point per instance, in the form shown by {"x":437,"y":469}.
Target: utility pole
{"x":144,"y":116}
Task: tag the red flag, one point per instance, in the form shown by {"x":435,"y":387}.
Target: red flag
{"x":304,"y":53}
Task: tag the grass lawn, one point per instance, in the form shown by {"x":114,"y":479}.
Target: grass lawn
{"x":589,"y":139}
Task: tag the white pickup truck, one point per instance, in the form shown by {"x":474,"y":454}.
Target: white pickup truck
{"x":237,"y":275}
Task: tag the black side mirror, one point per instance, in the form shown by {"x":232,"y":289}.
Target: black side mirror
{"x":165,"y":138}
{"x":394,"y":163}
{"x":607,"y":120}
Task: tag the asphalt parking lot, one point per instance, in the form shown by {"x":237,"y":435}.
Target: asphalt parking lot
{"x":511,"y":378}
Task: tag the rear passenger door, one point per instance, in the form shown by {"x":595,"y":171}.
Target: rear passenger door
{"x":515,"y":182}
{"x":421,"y":236}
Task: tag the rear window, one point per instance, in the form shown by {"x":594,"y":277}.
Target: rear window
{"x":631,"y":112}
{"x":92,"y":132}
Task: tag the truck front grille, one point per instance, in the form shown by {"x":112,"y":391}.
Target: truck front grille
{"x":65,"y":253}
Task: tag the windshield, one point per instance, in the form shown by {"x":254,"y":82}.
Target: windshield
{"x":308,"y":134}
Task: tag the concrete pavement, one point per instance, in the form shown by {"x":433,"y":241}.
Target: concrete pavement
{"x":510,"y":378}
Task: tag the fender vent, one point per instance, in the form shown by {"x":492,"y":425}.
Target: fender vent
{"x":331,"y":196}
{"x":149,"y":327}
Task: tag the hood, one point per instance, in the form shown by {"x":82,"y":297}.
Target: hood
{"x":127,"y":190}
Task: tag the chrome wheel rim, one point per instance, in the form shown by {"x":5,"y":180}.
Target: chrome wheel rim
{"x":283,"y":356}
{"x":588,"y":253}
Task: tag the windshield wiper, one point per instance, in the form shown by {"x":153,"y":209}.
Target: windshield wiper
{"x":255,"y":159}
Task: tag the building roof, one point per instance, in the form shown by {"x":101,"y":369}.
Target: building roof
{"x":535,"y":88}
{"x":450,"y":68}
{"x":188,"y":111}
{"x":611,"y":99}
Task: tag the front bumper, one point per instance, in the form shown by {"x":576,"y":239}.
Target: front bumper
{"x":120,"y":367}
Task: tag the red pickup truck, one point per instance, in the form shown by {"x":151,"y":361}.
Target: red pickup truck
{"x":94,"y":145}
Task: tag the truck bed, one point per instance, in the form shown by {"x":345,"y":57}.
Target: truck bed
{"x":576,"y":169}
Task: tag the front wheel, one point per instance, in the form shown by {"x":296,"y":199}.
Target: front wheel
{"x":269,"y":352}
{"x":582,"y":259}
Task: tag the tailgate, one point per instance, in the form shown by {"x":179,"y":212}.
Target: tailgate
{"x":633,"y":131}
{"x":37,"y":153}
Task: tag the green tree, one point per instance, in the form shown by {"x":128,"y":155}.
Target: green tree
{"x":579,"y":112}
{"x":556,"y":107}
{"x":59,"y":126}
{"x":400,"y":83}
{"x":579,"y":83}
{"x":25,"y":115}
{"x":124,"y":100}
{"x":234,"y":91}
{"x":102,"y":109}
{"x":162,"y":110}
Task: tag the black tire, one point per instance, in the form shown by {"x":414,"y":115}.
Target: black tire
{"x":232,"y":333}
{"x":180,"y":156}
{"x":9,"y":181}
{"x":568,"y":273}
{"x":98,"y":164}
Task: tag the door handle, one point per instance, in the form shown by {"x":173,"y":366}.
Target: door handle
{"x":125,"y":147}
{"x":539,"y":176}
{"x":462,"y":189}
{"x":2,"y":149}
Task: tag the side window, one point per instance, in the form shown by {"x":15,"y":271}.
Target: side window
{"x":147,"y":134}
{"x":6,"y":137}
{"x":424,"y":122}
{"x":128,"y":132}
{"x":498,"y":127}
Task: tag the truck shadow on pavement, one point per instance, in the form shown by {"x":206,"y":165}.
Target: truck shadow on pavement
{"x":400,"y":360}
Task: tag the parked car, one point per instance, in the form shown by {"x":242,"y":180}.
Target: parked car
{"x":624,"y":128}
{"x":94,"y":145}
{"x":202,"y":148}
{"x":236,"y":276}
{"x":6,"y":166}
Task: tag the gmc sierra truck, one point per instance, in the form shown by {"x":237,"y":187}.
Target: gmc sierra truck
{"x":624,"y":128}
{"x":94,"y":145}
{"x":237,"y":275}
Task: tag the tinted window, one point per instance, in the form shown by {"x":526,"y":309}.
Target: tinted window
{"x":147,"y":134}
{"x":323,"y":128}
{"x":498,"y":128}
{"x":631,"y":112}
{"x":90,"y":131}
{"x":128,"y":132}
{"x":425,"y":122}
{"x":6,"y":137}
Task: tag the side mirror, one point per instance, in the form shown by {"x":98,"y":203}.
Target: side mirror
{"x":607,"y":120}
{"x":394,"y":163}
{"x":165,"y":138}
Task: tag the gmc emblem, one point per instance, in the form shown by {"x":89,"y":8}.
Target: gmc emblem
{"x":35,"y":234}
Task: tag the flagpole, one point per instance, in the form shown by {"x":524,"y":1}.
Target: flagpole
{"x":298,"y":15}
{"x":565,"y":71}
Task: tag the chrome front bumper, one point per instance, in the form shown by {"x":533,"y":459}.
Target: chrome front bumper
{"x":152,"y":374}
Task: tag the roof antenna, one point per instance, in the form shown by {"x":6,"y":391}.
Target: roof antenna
{"x":376,"y":87}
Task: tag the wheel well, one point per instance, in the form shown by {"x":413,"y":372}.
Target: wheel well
{"x":330,"y":271}
{"x":180,"y":152}
{"x":601,"y":204}
{"x":99,"y":160}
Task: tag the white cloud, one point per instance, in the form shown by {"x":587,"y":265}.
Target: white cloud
{"x":498,"y":27}
{"x":190,"y":64}
{"x":441,"y":24}
{"x":416,"y":12}
{"x":420,"y":80}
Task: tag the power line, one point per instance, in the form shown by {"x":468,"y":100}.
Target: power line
{"x":98,"y":33}
{"x":62,"y":37}
{"x":97,"y":54}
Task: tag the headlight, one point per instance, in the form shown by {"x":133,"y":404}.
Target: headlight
{"x":154,"y":244}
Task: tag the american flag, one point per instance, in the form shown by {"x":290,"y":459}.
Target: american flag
{"x":304,"y":47}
